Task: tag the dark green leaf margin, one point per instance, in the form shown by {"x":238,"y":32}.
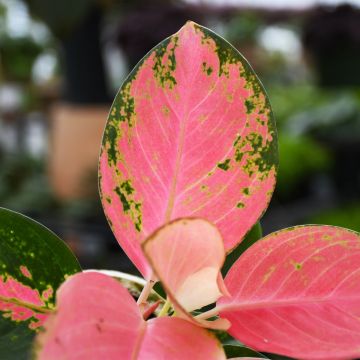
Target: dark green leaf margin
{"x":233,"y":351}
{"x":26,"y":243}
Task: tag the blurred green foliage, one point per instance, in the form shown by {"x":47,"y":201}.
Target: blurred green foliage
{"x":338,"y":119}
{"x":57,"y":16}
{"x":316,"y":128}
{"x":347,"y":216}
{"x":23,"y":184}
{"x":291,"y":99}
{"x":18,"y":56}
{"x":306,"y":109}
{"x":243,"y":27}
{"x":299,"y":159}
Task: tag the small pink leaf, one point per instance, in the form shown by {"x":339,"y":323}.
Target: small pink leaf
{"x":97,"y":318}
{"x":297,"y":293}
{"x":178,"y":339}
{"x":187,"y":256}
{"x":190,"y":133}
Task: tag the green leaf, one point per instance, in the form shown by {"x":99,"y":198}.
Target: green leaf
{"x":277,"y":356}
{"x":159,"y":289}
{"x":225,"y":338}
{"x":239,"y":351}
{"x":252,"y":236}
{"x":33,"y":264}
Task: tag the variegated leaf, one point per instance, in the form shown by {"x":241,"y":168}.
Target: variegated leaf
{"x":190,"y":134}
{"x":97,"y":318}
{"x":297,"y":293}
{"x":33,"y":264}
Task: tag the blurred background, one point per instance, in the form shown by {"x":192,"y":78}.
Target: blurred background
{"x":61,"y":63}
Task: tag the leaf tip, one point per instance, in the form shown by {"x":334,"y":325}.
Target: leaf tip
{"x":189,"y":26}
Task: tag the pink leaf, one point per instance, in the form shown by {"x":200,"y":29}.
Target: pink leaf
{"x":190,"y":133}
{"x":297,"y":293}
{"x":178,"y":339}
{"x":20,"y":302}
{"x":187,"y":256}
{"x":97,"y":318}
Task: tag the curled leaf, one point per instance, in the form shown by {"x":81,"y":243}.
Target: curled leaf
{"x":187,"y":256}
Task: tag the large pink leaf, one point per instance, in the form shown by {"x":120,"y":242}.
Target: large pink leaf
{"x":190,"y":133}
{"x":97,"y":318}
{"x":297,"y":293}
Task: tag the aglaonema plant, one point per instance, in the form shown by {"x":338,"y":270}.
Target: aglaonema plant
{"x":34,"y":262}
{"x":187,"y":167}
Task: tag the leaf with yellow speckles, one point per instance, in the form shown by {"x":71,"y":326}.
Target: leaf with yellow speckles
{"x":33,"y":264}
{"x":296,"y":292}
{"x":190,"y":134}
{"x":116,"y":329}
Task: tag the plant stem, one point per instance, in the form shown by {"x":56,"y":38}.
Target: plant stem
{"x":208,"y":314}
{"x":165,"y":308}
{"x":145,"y":292}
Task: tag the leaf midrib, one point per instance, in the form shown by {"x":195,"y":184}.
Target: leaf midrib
{"x":179,"y":152}
{"x":27,"y":305}
{"x":271,"y":304}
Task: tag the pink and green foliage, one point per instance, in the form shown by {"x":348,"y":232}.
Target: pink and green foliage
{"x":33,"y":264}
{"x":197,"y":270}
{"x":193,"y":279}
{"x":110,"y":325}
{"x":297,"y":292}
{"x":190,"y":133}
{"x":187,"y":167}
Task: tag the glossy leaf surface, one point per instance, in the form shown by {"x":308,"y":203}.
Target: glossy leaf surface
{"x":97,"y":318}
{"x":297,"y":293}
{"x":33,"y":264}
{"x":190,"y":134}
{"x":187,"y":256}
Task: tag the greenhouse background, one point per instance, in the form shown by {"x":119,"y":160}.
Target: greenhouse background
{"x":61,"y":64}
